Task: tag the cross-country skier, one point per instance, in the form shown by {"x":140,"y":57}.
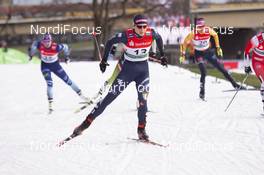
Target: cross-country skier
{"x":256,"y":45}
{"x":107,"y":84}
{"x":49,"y":51}
{"x":200,"y":38}
{"x":137,"y":42}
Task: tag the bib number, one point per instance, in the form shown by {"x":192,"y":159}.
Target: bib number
{"x":203,"y":43}
{"x":140,"y":51}
{"x":48,"y":58}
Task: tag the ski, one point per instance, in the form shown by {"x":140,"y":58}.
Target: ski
{"x":150,"y":142}
{"x":202,"y":99}
{"x":97,"y":97}
{"x":67,"y":139}
{"x":249,"y":89}
{"x":85,"y":105}
{"x":80,"y":109}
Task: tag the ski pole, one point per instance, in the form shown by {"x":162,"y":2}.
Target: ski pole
{"x":97,"y":46}
{"x":236,"y":92}
{"x":154,"y":59}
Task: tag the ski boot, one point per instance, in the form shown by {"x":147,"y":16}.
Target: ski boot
{"x":50,"y":105}
{"x":239,"y":87}
{"x":202,"y":92}
{"x":142,"y":135}
{"x":85,"y":99}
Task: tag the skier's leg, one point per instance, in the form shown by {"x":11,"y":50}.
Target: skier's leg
{"x":199,"y":55}
{"x":47,"y":76}
{"x":118,"y":86}
{"x":262,"y":92}
{"x":99,"y":108}
{"x":258,"y":68}
{"x":202,"y":79}
{"x":213,"y":60}
{"x":142,"y":85}
{"x":59,"y":71}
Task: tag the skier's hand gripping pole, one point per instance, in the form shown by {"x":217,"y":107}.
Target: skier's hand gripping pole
{"x":163,"y":60}
{"x":102,"y":64}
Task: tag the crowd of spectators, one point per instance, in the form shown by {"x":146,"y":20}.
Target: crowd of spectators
{"x":172,"y":28}
{"x":169,"y":20}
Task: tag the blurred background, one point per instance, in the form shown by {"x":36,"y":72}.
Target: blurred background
{"x":171,"y":18}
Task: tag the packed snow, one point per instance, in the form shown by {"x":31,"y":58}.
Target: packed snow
{"x":202,"y":138}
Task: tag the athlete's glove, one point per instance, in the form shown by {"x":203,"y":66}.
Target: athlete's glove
{"x":103,"y":65}
{"x":219,"y":52}
{"x":248,"y":70}
{"x":164,"y":61}
{"x":67,"y":60}
{"x":182,"y":58}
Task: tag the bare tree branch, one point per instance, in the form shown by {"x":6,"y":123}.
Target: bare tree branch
{"x":101,"y":11}
{"x":106,"y":18}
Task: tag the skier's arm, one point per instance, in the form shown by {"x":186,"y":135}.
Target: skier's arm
{"x":63,"y":48}
{"x":215,"y":36}
{"x":186,"y":42}
{"x":247,"y":52}
{"x":154,"y":47}
{"x":33,"y":49}
{"x":253,"y":42}
{"x":217,"y":44}
{"x":118,"y":38}
{"x":250,"y":45}
{"x":159,"y":42}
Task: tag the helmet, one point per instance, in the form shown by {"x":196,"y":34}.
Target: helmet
{"x":47,"y":37}
{"x":140,"y":20}
{"x":46,"y":40}
{"x":200,"y":22}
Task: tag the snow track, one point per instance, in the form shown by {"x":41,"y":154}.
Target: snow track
{"x":203,"y":138}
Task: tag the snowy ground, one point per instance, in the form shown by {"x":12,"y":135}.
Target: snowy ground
{"x":203,"y":138}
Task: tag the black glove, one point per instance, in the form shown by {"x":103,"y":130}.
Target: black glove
{"x":67,"y":60}
{"x":103,"y":65}
{"x":164,"y":61}
{"x":247,"y":69}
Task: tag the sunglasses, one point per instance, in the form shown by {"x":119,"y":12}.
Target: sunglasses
{"x":141,"y":27}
